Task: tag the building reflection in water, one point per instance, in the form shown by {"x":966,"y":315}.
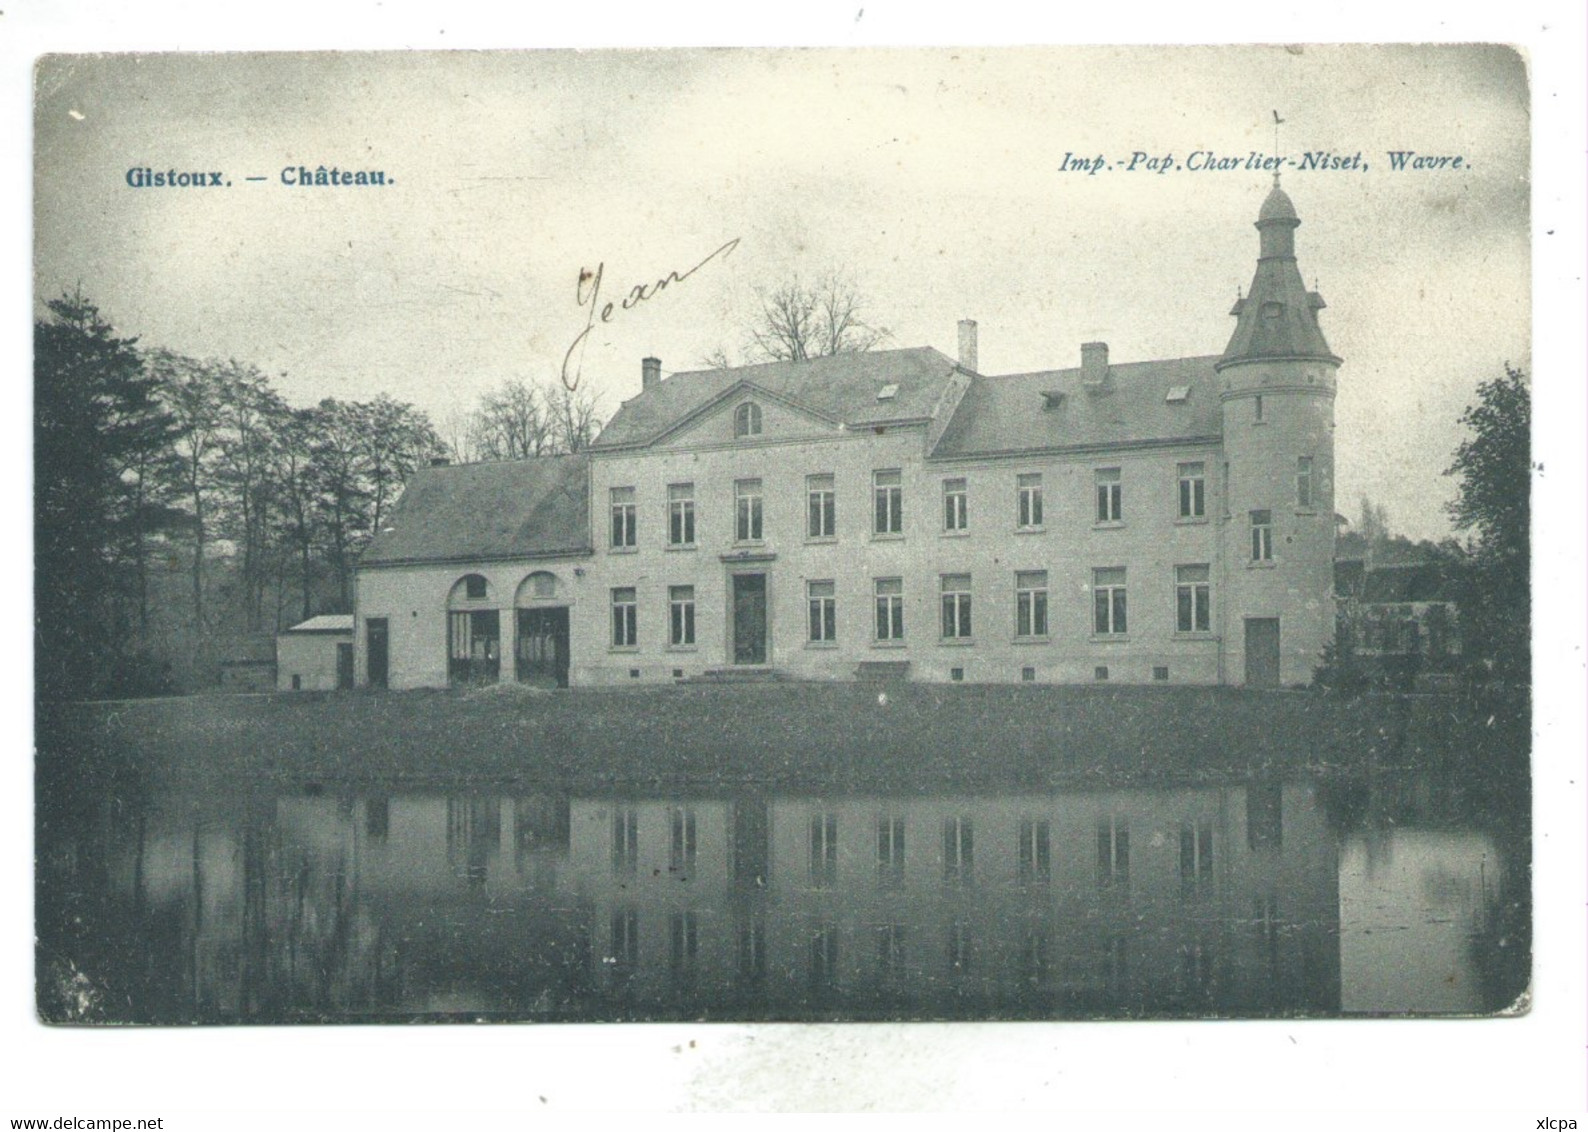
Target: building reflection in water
{"x":1217,"y":900}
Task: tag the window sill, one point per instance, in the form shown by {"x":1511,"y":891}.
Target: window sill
{"x":1263,"y":564}
{"x":1031,"y":530}
{"x":683,"y":648}
{"x":1109,"y":638}
{"x":1042,"y":640}
{"x":623,"y":550}
{"x":821,"y":644}
{"x":1108,"y":525}
{"x":956,"y":642}
{"x":821,"y":540}
{"x":1256,"y":424}
{"x":623,"y":648}
{"x":749,"y":544}
{"x":1191,"y":521}
{"x":1196,"y":635}
{"x":887,"y":537}
{"x":954,"y":534}
{"x":898,"y":644}
{"x":1306,"y":510}
{"x":672,"y":546}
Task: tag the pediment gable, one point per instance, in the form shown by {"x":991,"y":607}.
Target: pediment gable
{"x":748,"y":414}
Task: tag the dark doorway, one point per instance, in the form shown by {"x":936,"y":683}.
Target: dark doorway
{"x":474,"y":647}
{"x":375,"y":638}
{"x":749,"y":618}
{"x":541,"y":650}
{"x":344,"y":666}
{"x":1262,"y":652}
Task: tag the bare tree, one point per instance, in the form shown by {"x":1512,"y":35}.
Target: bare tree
{"x":800,"y":321}
{"x":573,"y":421}
{"x":513,"y":422}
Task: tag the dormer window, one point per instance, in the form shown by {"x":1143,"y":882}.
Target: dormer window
{"x":747,"y":420}
{"x":1273,"y":310}
{"x":1178,"y":394}
{"x":888,"y":392}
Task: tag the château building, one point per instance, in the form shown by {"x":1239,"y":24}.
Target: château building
{"x":898,"y":514}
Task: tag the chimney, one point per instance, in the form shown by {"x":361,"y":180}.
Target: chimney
{"x":967,"y":344}
{"x":650,"y":372}
{"x":1094,"y":363}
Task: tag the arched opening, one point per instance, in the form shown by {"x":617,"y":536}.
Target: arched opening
{"x":747,"y":419}
{"x":540,"y":637}
{"x":474,"y":633}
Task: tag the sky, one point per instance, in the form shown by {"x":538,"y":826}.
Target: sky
{"x":929,"y":177}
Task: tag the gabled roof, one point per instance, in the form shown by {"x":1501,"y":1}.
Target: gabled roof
{"x":500,"y":510}
{"x":842,"y":387}
{"x":325,"y":623}
{"x":1056,"y":409}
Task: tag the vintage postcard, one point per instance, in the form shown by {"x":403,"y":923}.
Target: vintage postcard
{"x":783,"y":535}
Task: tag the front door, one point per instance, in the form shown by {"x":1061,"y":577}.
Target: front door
{"x":1262,"y":652}
{"x":749,"y":619}
{"x":541,"y":649}
{"x":375,"y":636}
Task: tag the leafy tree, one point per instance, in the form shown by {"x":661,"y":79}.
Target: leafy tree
{"x":98,"y":433}
{"x":1493,"y":504}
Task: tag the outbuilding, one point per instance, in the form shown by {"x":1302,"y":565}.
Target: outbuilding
{"x":316,"y":655}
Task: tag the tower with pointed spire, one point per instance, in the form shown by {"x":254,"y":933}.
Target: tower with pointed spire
{"x":1277,"y":385}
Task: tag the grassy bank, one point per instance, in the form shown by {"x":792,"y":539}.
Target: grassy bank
{"x":836,"y":736}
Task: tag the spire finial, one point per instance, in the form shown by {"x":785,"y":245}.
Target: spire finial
{"x":1278,"y":121}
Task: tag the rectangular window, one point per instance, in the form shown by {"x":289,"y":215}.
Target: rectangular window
{"x":824,"y":850}
{"x":823,"y":611}
{"x":1262,"y":536}
{"x":681,"y":842}
{"x":1196,"y":856}
{"x":683,"y":935}
{"x":958,"y":949}
{"x":956,"y":606}
{"x":625,"y":839}
{"x":751,"y":951}
{"x":1257,"y":408}
{"x":623,"y":519}
{"x":1108,"y":601}
{"x":747,"y":510}
{"x":1191,"y":604}
{"x":1193,"y":489}
{"x":824,"y":957}
{"x":1035,"y":867}
{"x":888,"y":493}
{"x":890,"y":952}
{"x":956,"y":517}
{"x":1036,"y":964}
{"x":680,"y":514}
{"x":890,"y":609}
{"x":959,"y":846}
{"x":681,"y":609}
{"x":625,"y":618}
{"x":1031,"y":603}
{"x":625,"y":955}
{"x":890,"y":850}
{"x":821,"y":521}
{"x":1028,"y":501}
{"x":1303,"y":481}
{"x":1110,"y":498}
{"x":1113,"y":852}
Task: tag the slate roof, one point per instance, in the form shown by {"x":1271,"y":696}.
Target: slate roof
{"x":1278,"y":318}
{"x":843,"y":387}
{"x":500,"y":510}
{"x":1013,"y":414}
{"x":325,"y":623}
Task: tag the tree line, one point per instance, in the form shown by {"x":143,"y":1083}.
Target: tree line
{"x":181,"y":504}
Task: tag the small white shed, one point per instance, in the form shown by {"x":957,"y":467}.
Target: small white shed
{"x":317,"y":655}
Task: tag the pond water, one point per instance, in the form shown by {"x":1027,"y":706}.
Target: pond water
{"x":1385,"y":892}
